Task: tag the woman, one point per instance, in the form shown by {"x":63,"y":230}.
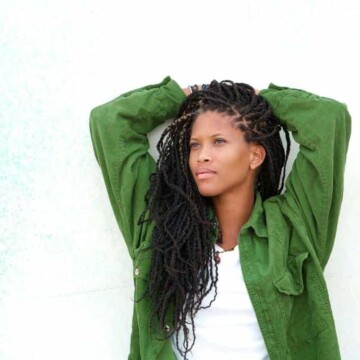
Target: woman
{"x":224,"y":264}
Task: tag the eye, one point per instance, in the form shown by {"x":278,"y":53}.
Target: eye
{"x":220,"y":141}
{"x":194,"y":145}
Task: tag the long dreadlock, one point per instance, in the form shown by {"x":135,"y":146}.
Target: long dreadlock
{"x":182,"y":269}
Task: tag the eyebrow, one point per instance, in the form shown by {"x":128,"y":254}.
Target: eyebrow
{"x":214,"y":135}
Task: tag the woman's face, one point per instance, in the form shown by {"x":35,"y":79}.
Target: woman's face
{"x":221,"y":161}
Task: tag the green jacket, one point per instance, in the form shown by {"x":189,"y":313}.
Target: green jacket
{"x":285,"y":244}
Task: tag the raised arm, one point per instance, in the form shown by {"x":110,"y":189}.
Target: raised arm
{"x":119,"y":135}
{"x":314,"y":187}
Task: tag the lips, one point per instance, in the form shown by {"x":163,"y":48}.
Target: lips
{"x":204,"y":173}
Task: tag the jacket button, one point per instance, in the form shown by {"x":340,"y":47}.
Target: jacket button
{"x":137,"y":271}
{"x":167,"y":328}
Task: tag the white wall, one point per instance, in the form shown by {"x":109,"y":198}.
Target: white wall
{"x":65,"y":277}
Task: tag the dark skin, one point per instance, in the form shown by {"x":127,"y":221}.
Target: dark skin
{"x":224,"y":167}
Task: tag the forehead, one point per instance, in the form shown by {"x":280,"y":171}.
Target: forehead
{"x":212,"y":121}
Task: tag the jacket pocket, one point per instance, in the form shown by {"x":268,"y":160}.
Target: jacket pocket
{"x":299,"y":299}
{"x":291,"y":281}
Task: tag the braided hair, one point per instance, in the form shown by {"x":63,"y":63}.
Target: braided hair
{"x":182,"y":269}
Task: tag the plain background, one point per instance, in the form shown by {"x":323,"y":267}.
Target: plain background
{"x":65,"y":276}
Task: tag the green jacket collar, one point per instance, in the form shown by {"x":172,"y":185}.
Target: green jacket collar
{"x":257,"y":219}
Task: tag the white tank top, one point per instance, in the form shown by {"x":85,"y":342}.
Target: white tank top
{"x":229,"y":328}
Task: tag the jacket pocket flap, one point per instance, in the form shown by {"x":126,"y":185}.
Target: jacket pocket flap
{"x":291,"y":280}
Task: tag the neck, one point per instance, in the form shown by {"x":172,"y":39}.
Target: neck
{"x":233,"y":211}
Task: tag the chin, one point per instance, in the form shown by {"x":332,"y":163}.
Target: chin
{"x":207,"y":192}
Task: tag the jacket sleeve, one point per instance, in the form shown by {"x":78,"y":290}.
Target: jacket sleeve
{"x":119,"y":135}
{"x":314,"y":187}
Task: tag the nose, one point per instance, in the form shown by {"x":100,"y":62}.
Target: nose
{"x":204,"y":156}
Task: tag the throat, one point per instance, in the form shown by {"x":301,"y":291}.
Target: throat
{"x":228,"y":242}
{"x":232,"y":214}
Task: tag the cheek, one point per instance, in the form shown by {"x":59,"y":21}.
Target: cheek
{"x":235,"y":169}
{"x":235,"y":160}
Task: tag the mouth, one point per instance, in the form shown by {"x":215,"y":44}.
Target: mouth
{"x":204,"y":173}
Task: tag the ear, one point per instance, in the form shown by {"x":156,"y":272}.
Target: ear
{"x":257,"y":156}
